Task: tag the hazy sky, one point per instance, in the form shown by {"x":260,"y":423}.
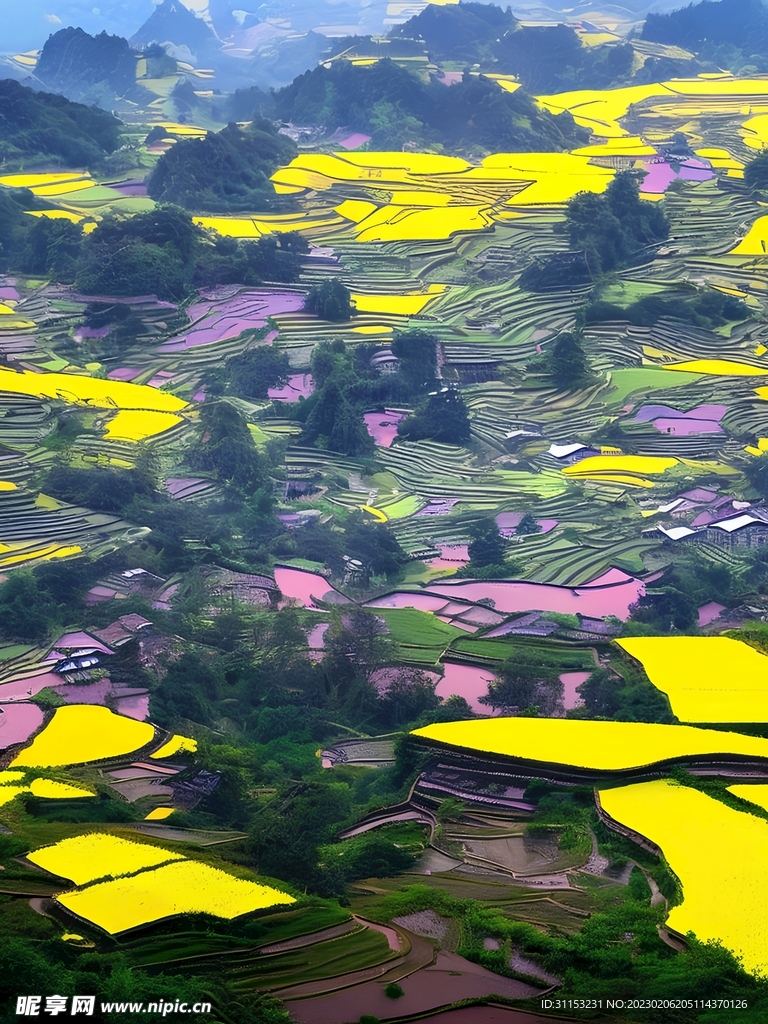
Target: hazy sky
{"x":27,"y":24}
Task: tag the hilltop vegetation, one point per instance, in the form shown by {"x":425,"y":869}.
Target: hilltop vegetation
{"x":42,"y":127}
{"x":544,"y":58}
{"x":224,"y":172}
{"x":160,"y":252}
{"x":732,"y":34}
{"x":397,"y":109}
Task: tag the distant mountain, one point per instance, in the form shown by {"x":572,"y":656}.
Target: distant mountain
{"x":87,"y":69}
{"x":544,"y":58}
{"x":732,"y":33}
{"x":172,"y":22}
{"x":38,"y":127}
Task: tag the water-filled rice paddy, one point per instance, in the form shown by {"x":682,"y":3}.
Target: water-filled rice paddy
{"x":600,"y":746}
{"x":719,"y":855}
{"x":707,"y":679}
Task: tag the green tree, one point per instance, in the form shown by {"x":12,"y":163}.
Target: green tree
{"x":486,"y":545}
{"x":329,"y":301}
{"x":224,"y":172}
{"x":568,"y":364}
{"x":441,"y":416}
{"x":416,"y":352}
{"x":255,"y":371}
{"x":226,"y":448}
{"x":616,"y":228}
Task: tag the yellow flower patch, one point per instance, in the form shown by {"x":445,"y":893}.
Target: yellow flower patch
{"x":601,"y":746}
{"x":186,"y":887}
{"x":718,"y":854}
{"x":99,"y":855}
{"x":79,"y":733}
{"x":707,"y":678}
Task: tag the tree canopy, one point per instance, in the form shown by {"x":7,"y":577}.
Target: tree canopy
{"x":43,"y":127}
{"x":617,"y":228}
{"x":224,"y":172}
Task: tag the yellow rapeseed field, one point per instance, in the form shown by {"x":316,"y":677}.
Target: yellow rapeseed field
{"x":602,"y":746}
{"x":79,"y":733}
{"x":95,"y":391}
{"x":138,"y":424}
{"x":52,"y":790}
{"x":186,"y":887}
{"x":598,"y":465}
{"x":98,"y":855}
{"x":707,"y":678}
{"x":8,"y":793}
{"x":721,"y":367}
{"x":159,"y":814}
{"x":176,"y":745}
{"x":405,"y":305}
{"x":718,"y":854}
{"x":755,"y":242}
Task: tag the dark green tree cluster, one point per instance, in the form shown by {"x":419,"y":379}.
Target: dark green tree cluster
{"x":625,"y":697}
{"x":615,"y":229}
{"x":441,"y":416}
{"x":416,"y":353}
{"x":226,"y":448}
{"x":564,"y":363}
{"x":253,"y":373}
{"x":329,"y":301}
{"x":756,"y":172}
{"x":396,"y":108}
{"x":693,"y":580}
{"x":708,"y":308}
{"x":729,"y":33}
{"x":545,"y":59}
{"x":43,"y":127}
{"x":525,"y":684}
{"x":333,"y":415}
{"x":224,"y":172}
{"x":162,"y":252}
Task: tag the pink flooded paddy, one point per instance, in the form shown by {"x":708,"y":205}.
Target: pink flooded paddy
{"x":613,"y":593}
{"x":354,"y":141}
{"x":299,"y":385}
{"x":18,"y":722}
{"x":24,"y":688}
{"x":134,"y":707}
{"x":124,"y":373}
{"x":508,"y":523}
{"x":709,"y":612}
{"x":452,"y":556}
{"x":466,"y":681}
{"x":382,"y":426}
{"x":660,"y":175}
{"x":306,"y":587}
{"x":225,"y":312}
{"x":704,"y":419}
{"x":571,"y":682}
